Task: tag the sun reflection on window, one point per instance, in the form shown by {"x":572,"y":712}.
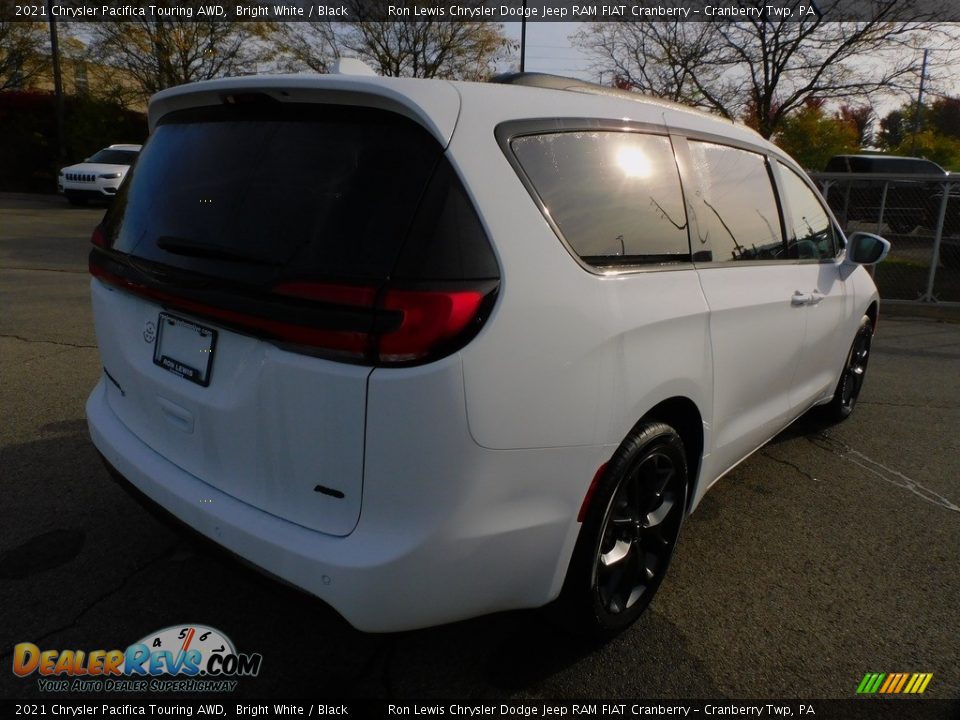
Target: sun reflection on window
{"x":634,"y":162}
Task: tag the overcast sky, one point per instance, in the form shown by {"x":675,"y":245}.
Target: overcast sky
{"x":550,"y":50}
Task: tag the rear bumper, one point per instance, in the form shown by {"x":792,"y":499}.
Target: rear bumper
{"x":303,"y":557}
{"x":492,"y":545}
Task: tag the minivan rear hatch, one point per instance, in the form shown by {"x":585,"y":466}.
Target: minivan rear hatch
{"x":237,"y":278}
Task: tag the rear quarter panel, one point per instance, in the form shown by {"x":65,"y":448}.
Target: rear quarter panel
{"x":568,"y":357}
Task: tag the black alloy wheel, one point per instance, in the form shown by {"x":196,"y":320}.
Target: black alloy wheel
{"x":854,"y":371}
{"x":630,"y":532}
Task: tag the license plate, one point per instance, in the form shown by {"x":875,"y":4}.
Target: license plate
{"x":185,"y":348}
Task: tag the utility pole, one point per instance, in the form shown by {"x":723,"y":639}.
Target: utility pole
{"x":916,"y":117}
{"x":523,"y":38}
{"x":57,"y":80}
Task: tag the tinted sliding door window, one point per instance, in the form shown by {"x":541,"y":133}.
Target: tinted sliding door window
{"x":736,"y":210}
{"x":615,"y":196}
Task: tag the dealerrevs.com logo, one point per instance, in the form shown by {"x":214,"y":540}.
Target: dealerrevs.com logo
{"x":180,"y":658}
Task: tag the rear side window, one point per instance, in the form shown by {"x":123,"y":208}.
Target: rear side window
{"x":252,"y":193}
{"x":810,"y":235}
{"x":614,"y":196}
{"x":893,"y":165}
{"x":736,"y":210}
{"x":838,"y":163}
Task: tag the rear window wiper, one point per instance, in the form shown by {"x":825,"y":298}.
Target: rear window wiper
{"x":183,"y":246}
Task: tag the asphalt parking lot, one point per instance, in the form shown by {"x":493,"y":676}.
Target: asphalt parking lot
{"x":828,"y":554}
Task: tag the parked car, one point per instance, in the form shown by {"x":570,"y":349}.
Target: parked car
{"x":907,"y":203}
{"x":99,"y":176}
{"x":433,"y":349}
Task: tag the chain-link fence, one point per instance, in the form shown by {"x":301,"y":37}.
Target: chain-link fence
{"x":918,"y":214}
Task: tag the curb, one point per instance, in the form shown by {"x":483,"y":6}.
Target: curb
{"x":944,"y":312}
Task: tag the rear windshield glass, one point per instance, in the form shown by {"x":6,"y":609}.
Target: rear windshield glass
{"x":114,"y":157}
{"x":249,"y":192}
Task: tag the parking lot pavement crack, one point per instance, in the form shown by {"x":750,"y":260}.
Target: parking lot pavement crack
{"x":47,"y":342}
{"x":789,"y":464}
{"x":100,"y":598}
{"x":878,"y":469}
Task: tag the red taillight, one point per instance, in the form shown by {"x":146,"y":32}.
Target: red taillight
{"x":430,"y":318}
{"x":403,"y":326}
{"x":343,"y":343}
{"x":422,"y":320}
{"x":99,"y":238}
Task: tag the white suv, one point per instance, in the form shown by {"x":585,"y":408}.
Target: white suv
{"x":433,"y":349}
{"x":99,"y":176}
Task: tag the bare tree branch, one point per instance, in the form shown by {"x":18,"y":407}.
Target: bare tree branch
{"x":425,"y":48}
{"x":157,"y":53}
{"x":764,"y":69}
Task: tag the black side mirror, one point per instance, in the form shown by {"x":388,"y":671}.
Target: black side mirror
{"x":866,"y":248}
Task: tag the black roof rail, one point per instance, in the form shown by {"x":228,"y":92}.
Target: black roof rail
{"x":548,"y":81}
{"x":543,"y":80}
{"x":561,"y":82}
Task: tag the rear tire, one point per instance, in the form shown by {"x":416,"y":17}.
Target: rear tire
{"x":854,"y":371}
{"x":629,"y":534}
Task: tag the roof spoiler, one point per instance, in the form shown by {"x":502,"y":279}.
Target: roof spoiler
{"x":352,"y":66}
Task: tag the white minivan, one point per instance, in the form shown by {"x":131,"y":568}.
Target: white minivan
{"x":433,"y":349}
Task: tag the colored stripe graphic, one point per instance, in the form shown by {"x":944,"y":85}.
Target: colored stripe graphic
{"x":903,"y":680}
{"x":894,"y":683}
{"x":870,"y":683}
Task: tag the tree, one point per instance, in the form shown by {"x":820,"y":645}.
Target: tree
{"x":307,"y":45}
{"x":860,"y":118}
{"x":943,"y":116}
{"x":429,"y":48}
{"x":894,"y":127}
{"x":765,"y":69}
{"x":938,"y":138}
{"x":941,"y":149}
{"x":456,"y":50}
{"x":812,"y":136}
{"x":154,"y":53}
{"x":23,"y":46}
{"x":673,"y":60}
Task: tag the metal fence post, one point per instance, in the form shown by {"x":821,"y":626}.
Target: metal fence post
{"x":935,"y":254}
{"x":883,"y":206}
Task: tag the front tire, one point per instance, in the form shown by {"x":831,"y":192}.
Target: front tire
{"x":629,"y":534}
{"x":854,"y":371}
